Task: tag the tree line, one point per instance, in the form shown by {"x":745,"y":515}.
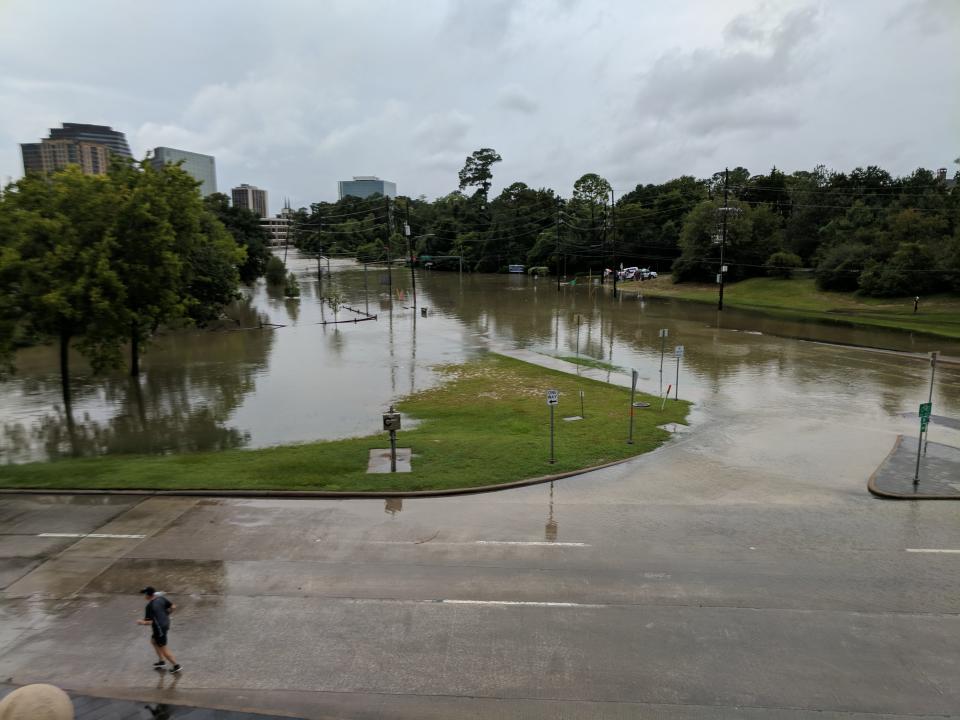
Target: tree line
{"x":865,"y":230}
{"x":102,"y":262}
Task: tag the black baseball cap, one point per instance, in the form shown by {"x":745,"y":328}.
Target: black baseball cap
{"x":148,"y":590}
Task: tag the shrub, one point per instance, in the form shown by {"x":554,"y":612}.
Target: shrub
{"x":276,"y":272}
{"x":782,"y":264}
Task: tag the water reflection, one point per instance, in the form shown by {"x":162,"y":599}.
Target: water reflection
{"x":552,"y":528}
{"x":392,"y":506}
{"x":272,"y":374}
{"x":182,"y":402}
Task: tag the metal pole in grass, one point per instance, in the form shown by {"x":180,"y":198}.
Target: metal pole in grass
{"x":633,"y":392}
{"x":933,"y":369}
{"x":663,"y":340}
{"x":553,"y":397}
{"x":678,"y":352}
{"x":582,"y":413}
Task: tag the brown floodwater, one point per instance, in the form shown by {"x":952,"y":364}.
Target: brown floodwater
{"x":276,"y":374}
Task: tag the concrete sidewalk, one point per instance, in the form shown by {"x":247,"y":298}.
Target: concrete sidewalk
{"x":86,"y":707}
{"x":939,"y":477}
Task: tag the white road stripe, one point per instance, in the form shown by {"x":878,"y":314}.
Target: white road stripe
{"x":933,"y":550}
{"x":534,"y":543}
{"x":92,"y":535}
{"x":477,"y":542}
{"x":521,"y":603}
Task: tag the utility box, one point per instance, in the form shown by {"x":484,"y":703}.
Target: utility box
{"x":391,"y":421}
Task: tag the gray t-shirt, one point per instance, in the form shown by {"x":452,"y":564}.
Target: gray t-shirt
{"x":158,"y":610}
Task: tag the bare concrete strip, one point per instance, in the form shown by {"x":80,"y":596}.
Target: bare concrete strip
{"x":77,"y":565}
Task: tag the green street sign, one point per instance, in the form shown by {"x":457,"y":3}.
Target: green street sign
{"x":925,"y":409}
{"x":923,"y":424}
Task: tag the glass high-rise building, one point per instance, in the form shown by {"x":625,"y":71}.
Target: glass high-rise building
{"x":363,"y":186}
{"x":201,"y":167}
{"x":88,"y":146}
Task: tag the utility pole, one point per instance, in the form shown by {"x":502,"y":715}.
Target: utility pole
{"x":413,"y":278}
{"x":386,"y":199}
{"x":613,"y":218}
{"x":558,"y":243}
{"x":723,"y":236}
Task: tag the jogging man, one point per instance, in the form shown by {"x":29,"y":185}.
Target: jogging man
{"x":157,"y":615}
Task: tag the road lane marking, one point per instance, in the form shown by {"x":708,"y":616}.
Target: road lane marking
{"x":92,"y":535}
{"x":933,"y":550}
{"x":540,"y":543}
{"x":522,"y":603}
{"x":480,"y":542}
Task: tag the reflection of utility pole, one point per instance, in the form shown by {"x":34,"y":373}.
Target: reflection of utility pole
{"x":550,"y":533}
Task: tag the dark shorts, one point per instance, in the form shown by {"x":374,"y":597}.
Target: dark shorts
{"x":160,"y":635}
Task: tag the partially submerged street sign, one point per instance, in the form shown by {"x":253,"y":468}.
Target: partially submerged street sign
{"x":678,"y":351}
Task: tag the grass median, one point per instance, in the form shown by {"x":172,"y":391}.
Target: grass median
{"x":799,"y":298}
{"x":488,"y":423}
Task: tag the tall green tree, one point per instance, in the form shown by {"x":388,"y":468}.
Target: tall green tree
{"x":476,"y":171}
{"x":244,"y":226}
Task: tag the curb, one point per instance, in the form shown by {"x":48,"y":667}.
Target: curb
{"x":887,"y":495}
{"x":321,"y":494}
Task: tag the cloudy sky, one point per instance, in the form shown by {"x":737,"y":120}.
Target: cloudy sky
{"x":292,"y":95}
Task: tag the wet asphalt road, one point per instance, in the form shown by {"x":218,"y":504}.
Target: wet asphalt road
{"x":741,"y":571}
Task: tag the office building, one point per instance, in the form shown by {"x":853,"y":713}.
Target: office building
{"x":88,"y":146}
{"x":278,"y":227}
{"x":363,"y":186}
{"x":251,"y":198}
{"x":200,"y":167}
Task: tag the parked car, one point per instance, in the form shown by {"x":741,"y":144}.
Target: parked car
{"x":629,"y":273}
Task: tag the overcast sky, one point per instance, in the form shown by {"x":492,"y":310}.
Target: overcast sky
{"x":293,"y":95}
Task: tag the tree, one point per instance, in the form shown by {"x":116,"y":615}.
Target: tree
{"x":476,"y":170}
{"x":244,"y":226}
{"x":59,"y":265}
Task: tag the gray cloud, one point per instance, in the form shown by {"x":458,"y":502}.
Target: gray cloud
{"x":515,"y":98}
{"x":295,"y":100}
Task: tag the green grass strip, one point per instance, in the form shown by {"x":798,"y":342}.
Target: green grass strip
{"x":488,"y":423}
{"x":800,"y":299}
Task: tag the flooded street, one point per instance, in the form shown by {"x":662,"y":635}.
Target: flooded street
{"x":741,"y":570}
{"x":275,"y":375}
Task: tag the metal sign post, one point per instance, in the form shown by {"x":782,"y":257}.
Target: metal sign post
{"x":633,"y":392}
{"x":678,"y":353}
{"x":924,"y":413}
{"x":553,"y":398}
{"x":391,"y":423}
{"x":933,"y":369}
{"x":582,"y":413}
{"x":663,"y":342}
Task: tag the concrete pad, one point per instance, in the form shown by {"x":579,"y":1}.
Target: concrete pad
{"x":380,"y":460}
{"x":939,"y":472}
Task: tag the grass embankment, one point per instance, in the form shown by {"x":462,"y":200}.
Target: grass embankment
{"x":488,"y":424}
{"x":799,"y":298}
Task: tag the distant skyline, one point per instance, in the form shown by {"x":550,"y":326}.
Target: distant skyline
{"x":309,"y":94}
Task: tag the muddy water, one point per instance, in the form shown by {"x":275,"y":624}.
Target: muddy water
{"x":277,"y":374}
